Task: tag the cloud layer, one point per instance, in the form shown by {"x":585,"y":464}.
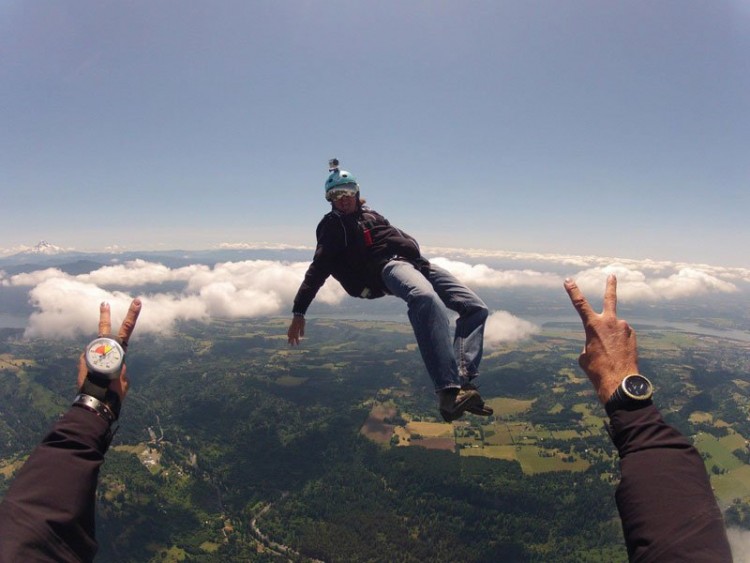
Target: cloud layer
{"x":504,"y":327}
{"x":67,"y":304}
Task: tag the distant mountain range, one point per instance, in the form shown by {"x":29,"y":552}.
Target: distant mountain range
{"x":48,"y":255}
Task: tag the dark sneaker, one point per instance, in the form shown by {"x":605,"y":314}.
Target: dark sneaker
{"x":482,"y":410}
{"x":454,"y":402}
{"x":467,"y":385}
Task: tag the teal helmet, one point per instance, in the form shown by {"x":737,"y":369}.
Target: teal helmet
{"x":339,"y":182}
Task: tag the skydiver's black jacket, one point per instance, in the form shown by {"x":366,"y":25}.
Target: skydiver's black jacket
{"x":353,"y":249}
{"x":668,"y":510}
{"x":48,"y":511}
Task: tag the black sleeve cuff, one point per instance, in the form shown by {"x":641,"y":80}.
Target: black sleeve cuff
{"x":642,"y":428}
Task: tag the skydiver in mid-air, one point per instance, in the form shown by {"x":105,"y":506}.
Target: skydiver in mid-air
{"x":371,"y":258}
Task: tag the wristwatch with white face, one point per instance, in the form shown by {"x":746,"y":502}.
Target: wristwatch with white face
{"x":633,"y":392}
{"x":104,"y":357}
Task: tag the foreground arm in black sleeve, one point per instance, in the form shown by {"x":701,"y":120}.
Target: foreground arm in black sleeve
{"x":665,"y":501}
{"x":48,"y":511}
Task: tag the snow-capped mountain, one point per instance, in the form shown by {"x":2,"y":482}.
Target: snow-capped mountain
{"x":46,"y":248}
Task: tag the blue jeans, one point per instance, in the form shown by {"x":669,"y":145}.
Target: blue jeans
{"x":428,"y":297}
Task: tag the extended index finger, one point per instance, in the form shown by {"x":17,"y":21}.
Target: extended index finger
{"x":579,"y":301}
{"x":126,"y":329}
{"x":105,"y":319}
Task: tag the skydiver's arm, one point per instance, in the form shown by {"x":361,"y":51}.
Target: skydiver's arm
{"x":48,"y":512}
{"x":331,"y":240}
{"x":664,"y":498}
{"x":315,"y":277}
{"x":666,"y":504}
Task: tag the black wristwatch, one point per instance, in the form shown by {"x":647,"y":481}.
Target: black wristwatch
{"x":634,"y":392}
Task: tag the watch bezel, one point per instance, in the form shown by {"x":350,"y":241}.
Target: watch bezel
{"x":110,"y":373}
{"x":636,"y":376}
{"x":623,"y":398}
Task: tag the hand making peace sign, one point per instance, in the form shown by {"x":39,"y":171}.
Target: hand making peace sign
{"x":610,"y":352}
{"x":120,"y":384}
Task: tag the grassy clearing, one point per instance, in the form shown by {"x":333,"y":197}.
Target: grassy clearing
{"x":720,"y":455}
{"x":732,"y":485}
{"x":10,"y":362}
{"x":8,"y":468}
{"x":532,"y":458}
{"x":210,"y":547}
{"x":668,"y":340}
{"x":403,"y":435}
{"x":574,"y":377}
{"x":700,"y":416}
{"x":507,"y":453}
{"x":505,"y":406}
{"x":733,"y":441}
{"x":537,"y":460}
{"x":290,"y":381}
{"x":565,"y":434}
{"x":499,"y":435}
{"x":430,"y":429}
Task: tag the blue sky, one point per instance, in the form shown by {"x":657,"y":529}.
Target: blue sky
{"x":580,"y":127}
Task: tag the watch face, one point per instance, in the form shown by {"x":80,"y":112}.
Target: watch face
{"x":105,"y":356}
{"x":637,"y":387}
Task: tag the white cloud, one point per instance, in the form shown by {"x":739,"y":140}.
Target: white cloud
{"x":66,"y":303}
{"x":688,"y":282}
{"x":35,"y":278}
{"x":480,"y":275}
{"x":634,"y":285}
{"x":67,"y":307}
{"x":503,"y":327}
{"x":160,"y":311}
{"x":139,"y":272}
{"x":590,"y":261}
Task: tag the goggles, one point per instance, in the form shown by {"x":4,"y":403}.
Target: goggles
{"x":335,"y":195}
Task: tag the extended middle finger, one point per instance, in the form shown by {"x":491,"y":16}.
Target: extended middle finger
{"x":126,"y":329}
{"x":610,"y":296}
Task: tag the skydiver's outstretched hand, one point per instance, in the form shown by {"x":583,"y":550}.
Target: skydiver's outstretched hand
{"x":296,"y":330}
{"x":119,"y":385}
{"x":610,"y":352}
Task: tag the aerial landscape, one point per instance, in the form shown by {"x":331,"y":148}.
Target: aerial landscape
{"x":234,"y":446}
{"x":182,"y":154}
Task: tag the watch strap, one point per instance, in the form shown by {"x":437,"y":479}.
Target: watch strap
{"x":97,"y":386}
{"x":96,"y":406}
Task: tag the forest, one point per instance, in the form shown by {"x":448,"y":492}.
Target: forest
{"x":234,"y":447}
